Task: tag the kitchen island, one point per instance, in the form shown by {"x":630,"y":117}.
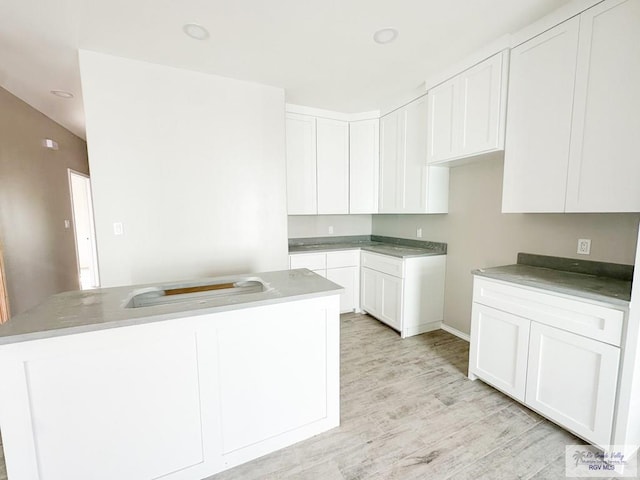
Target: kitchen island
{"x":172,"y":381}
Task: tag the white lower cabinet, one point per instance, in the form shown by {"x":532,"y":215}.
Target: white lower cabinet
{"x":572,"y":380}
{"x":341,"y":267}
{"x":382,"y":296}
{"x":499,"y":353}
{"x":406,"y":294}
{"x":527,"y":343}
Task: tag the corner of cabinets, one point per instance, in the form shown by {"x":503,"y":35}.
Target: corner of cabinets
{"x":364,"y":166}
{"x":332,"y":165}
{"x":407,"y":183}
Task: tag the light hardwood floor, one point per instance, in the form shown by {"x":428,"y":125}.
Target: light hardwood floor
{"x":409,"y":412}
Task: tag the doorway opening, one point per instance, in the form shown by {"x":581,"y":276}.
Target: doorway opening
{"x":84,"y":230}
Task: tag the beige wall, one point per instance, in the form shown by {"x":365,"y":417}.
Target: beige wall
{"x":478,"y":235}
{"x":34,"y":202}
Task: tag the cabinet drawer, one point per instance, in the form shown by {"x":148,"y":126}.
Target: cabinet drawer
{"x":383,"y":263}
{"x":312,"y":261}
{"x":586,"y":319}
{"x":345,"y":258}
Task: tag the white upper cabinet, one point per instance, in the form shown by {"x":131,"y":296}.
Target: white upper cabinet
{"x":467,"y":113}
{"x":483,"y":95}
{"x":604,"y":169}
{"x":364,"y":164}
{"x":413,"y":165}
{"x":541,"y":84}
{"x":441,"y":133}
{"x":573,"y":118}
{"x":317,"y":165}
{"x":301,"y":164}
{"x":391,"y":150}
{"x":332,"y":144}
{"x":407,"y":185}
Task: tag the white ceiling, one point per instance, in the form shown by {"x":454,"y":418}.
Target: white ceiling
{"x":320,"y":51}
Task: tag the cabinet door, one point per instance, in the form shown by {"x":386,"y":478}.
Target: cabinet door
{"x":572,"y":380}
{"x":301,"y":164}
{"x":391,"y":127}
{"x":441,"y":130}
{"x":498,"y":349}
{"x":368,"y":290}
{"x":364,"y":164}
{"x":481,"y":107}
{"x":332,"y":137}
{"x":346,"y":278}
{"x":604,"y":171}
{"x":539,"y":109}
{"x":413,"y":181}
{"x":390,"y":298}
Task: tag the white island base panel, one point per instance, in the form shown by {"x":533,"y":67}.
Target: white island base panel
{"x":176,"y":399}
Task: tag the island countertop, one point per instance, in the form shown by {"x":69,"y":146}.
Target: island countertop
{"x":89,"y":310}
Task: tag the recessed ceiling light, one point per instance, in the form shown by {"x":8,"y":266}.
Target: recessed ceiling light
{"x":385,"y":35}
{"x":196,"y":31}
{"x":62,"y":93}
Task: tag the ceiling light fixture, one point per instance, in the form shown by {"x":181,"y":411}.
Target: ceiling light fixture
{"x":385,"y":35}
{"x":195,"y":31}
{"x":62,"y":93}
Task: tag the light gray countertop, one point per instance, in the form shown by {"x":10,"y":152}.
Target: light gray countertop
{"x":401,"y":248}
{"x":89,"y":310}
{"x":599,"y":288}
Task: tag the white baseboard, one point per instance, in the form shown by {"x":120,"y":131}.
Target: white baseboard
{"x":421,"y":328}
{"x":456,"y":332}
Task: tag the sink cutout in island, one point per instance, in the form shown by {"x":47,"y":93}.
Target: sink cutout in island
{"x":179,"y":292}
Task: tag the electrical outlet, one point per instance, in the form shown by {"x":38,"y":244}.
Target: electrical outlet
{"x":584,"y":246}
{"x":118,"y":229}
{"x":418,"y":232}
{"x":330,"y":229}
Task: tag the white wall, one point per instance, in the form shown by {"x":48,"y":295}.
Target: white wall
{"x":192,"y":164}
{"x":303,"y":226}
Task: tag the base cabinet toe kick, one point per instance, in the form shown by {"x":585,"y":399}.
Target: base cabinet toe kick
{"x":574,"y":361}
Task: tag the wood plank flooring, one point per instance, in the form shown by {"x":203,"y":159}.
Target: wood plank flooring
{"x":409,"y":412}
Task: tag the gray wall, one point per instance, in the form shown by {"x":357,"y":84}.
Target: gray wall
{"x":478,"y":235}
{"x":302,"y":226}
{"x":39,"y":252}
